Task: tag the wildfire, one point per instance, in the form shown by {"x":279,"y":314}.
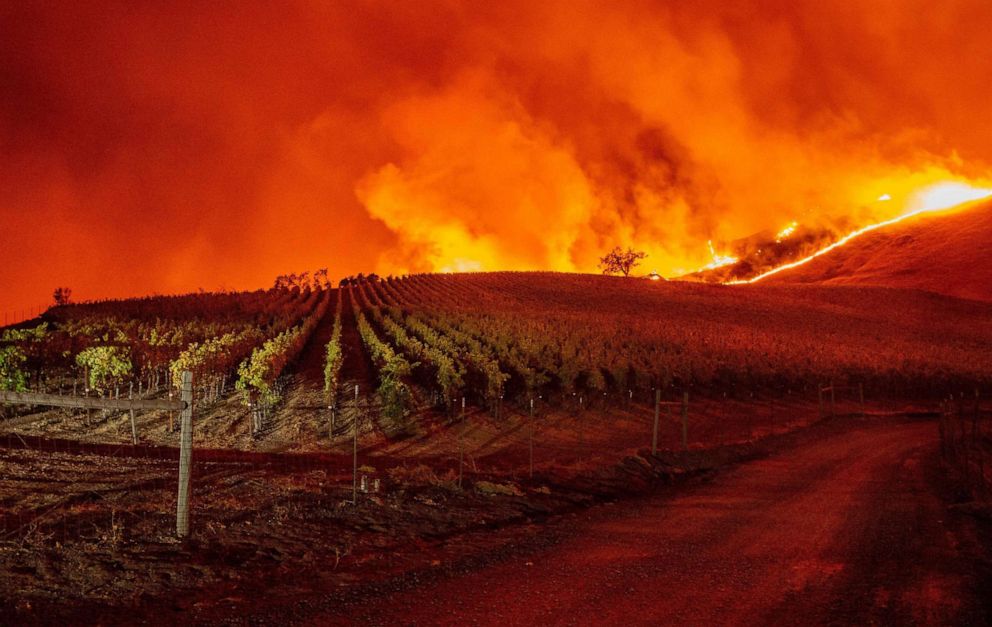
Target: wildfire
{"x":786,"y":232}
{"x":718,"y":260}
{"x":934,"y":198}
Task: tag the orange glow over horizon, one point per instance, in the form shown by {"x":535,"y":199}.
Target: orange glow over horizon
{"x":165,"y":148}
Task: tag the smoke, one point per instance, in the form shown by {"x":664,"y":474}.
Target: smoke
{"x":165,"y":149}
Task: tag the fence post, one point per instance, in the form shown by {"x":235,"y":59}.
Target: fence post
{"x":579,"y":426}
{"x":657,"y":410}
{"x":530,"y":439}
{"x":185,"y":456}
{"x":172,"y":419}
{"x":461,"y":446}
{"x":134,"y":430}
{"x":685,"y":421}
{"x":354,"y":453}
{"x":833,"y":411}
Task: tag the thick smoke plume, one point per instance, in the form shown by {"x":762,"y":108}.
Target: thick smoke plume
{"x":171,"y":147}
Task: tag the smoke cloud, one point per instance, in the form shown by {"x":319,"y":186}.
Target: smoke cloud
{"x":166,"y":148}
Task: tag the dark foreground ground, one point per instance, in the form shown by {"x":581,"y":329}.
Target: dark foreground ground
{"x":849,"y":529}
{"x":850,"y":521}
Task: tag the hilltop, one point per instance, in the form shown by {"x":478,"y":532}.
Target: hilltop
{"x":946,"y":253}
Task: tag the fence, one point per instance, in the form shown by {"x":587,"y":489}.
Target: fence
{"x":130,"y":405}
{"x":832,"y":389}
{"x":965,"y":443}
{"x":503,"y":440}
{"x":84,"y":491}
{"x":25,"y":313}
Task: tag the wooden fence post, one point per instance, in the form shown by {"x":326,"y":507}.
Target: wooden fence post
{"x":185,"y":456}
{"x":134,"y":430}
{"x":657,"y":410}
{"x":354,"y":453}
{"x":530,"y":439}
{"x":333,"y":419}
{"x":685,"y":421}
{"x":172,"y":427}
{"x":461,"y":446}
{"x":832,"y":399}
{"x":580,"y":425}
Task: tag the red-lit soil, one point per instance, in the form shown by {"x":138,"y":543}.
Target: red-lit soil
{"x":849,"y":529}
{"x":943,"y":253}
{"x":839,"y":520}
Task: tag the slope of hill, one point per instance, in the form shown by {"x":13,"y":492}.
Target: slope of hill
{"x":947,"y":253}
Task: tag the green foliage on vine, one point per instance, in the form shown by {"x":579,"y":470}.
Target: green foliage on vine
{"x":210,"y":359}
{"x":37,"y":334}
{"x":12,"y":378}
{"x":257,"y":375}
{"x":107,"y":365}
{"x":334,"y":356}
{"x":393,"y":392}
{"x":259,"y":372}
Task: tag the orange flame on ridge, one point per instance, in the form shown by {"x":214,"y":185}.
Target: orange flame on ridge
{"x":936,"y":197}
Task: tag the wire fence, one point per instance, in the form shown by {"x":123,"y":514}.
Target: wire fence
{"x":15,"y":316}
{"x":966,"y":444}
{"x":97,"y":491}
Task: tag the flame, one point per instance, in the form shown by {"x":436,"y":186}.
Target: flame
{"x":787,"y":231}
{"x":936,"y":197}
{"x":438,"y":135}
{"x":462,"y":265}
{"x":718,"y":260}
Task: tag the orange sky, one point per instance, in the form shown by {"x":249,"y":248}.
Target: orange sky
{"x":165,"y":148}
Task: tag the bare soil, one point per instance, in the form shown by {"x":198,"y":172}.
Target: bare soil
{"x":89,"y":537}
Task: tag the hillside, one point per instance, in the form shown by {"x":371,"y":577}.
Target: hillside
{"x":416,"y":346}
{"x":947,"y":253}
{"x":354,"y":427}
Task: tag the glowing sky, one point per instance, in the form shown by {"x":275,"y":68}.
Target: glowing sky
{"x":166,"y":147}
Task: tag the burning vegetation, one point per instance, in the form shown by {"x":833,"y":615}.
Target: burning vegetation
{"x":458,"y":138}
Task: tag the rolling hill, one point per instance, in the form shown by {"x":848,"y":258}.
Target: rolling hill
{"x":946,"y":253}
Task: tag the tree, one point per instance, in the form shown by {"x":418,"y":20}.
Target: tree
{"x":619,"y":262}
{"x":62,"y":295}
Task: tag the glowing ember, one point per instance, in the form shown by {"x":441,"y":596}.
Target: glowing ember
{"x":933,"y":198}
{"x":787,"y":231}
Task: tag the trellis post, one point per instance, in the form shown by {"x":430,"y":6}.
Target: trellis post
{"x":461,"y":446}
{"x":530,"y":439}
{"x":833,"y":400}
{"x":354,"y":453}
{"x":134,"y":429}
{"x":185,"y":455}
{"x":657,"y":410}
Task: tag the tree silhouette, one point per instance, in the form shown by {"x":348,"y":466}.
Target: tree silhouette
{"x":622,"y":262}
{"x":62,"y":295}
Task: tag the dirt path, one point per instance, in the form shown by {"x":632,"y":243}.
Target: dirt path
{"x":848,"y":530}
{"x":310,"y":367}
{"x":355,"y":367}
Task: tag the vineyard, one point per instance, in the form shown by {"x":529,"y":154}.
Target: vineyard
{"x":416,"y":346}
{"x":512,"y":380}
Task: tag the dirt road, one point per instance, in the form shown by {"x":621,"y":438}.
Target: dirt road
{"x":849,"y":529}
